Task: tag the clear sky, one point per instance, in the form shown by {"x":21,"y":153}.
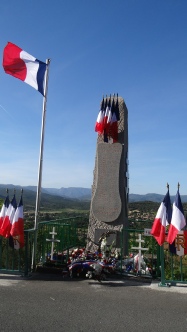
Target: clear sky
{"x":136,"y":48}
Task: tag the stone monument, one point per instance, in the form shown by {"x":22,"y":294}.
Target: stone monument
{"x":109,"y":202}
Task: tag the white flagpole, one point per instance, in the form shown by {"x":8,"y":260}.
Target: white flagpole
{"x":40,"y":165}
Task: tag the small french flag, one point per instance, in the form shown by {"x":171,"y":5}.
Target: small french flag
{"x":24,"y":66}
{"x":17,"y":229}
{"x":178,"y":220}
{"x":4,"y":210}
{"x":163,"y":217}
{"x":7,"y":221}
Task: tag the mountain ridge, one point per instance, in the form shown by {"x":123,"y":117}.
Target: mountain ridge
{"x":83,"y":194}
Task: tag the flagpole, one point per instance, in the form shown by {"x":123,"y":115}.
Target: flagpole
{"x":40,"y":165}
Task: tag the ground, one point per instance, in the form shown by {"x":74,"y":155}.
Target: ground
{"x":52,"y":303}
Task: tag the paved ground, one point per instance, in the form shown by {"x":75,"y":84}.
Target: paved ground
{"x":52,"y":303}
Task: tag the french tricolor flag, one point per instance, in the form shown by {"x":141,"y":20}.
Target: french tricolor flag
{"x":107,"y":116}
{"x":24,"y":66}
{"x":4,"y":210}
{"x":99,"y":126}
{"x":7,"y":221}
{"x":17,"y":229}
{"x":178,"y":220}
{"x":162,"y":219}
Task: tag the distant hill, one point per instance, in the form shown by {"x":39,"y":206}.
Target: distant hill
{"x":74,"y":195}
{"x":85,"y":194}
{"x":71,"y":192}
{"x":153,"y":198}
{"x":47,"y":201}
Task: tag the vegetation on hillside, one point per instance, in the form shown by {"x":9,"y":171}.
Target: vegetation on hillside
{"x":55,"y":208}
{"x":146,"y":210}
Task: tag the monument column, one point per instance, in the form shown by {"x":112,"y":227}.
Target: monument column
{"x":109,"y":201}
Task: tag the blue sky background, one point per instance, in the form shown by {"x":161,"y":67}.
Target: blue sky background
{"x":136,"y":48}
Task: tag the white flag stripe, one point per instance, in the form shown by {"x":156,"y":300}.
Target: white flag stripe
{"x":161,"y":214}
{"x":178,"y":219}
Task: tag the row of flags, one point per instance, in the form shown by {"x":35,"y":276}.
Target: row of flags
{"x":11,"y":222}
{"x":166,"y":216}
{"x":27,"y":68}
{"x":107,"y":119}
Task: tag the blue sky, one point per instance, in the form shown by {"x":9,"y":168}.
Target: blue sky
{"x":135,"y":48}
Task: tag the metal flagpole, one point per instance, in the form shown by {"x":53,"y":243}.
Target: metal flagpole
{"x":40,"y":166}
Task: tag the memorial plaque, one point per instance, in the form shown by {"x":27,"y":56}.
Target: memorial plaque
{"x":106,"y":204}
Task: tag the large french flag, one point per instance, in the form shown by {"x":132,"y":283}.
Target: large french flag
{"x":4,"y":210}
{"x":162,"y":219}
{"x":178,"y":220}
{"x":8,"y":219}
{"x":24,"y":66}
{"x":17,"y":229}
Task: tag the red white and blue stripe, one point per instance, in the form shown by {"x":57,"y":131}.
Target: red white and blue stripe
{"x":17,"y":229}
{"x":27,"y":68}
{"x":99,"y":126}
{"x":162,"y":219}
{"x":114,"y":122}
{"x":4,"y":210}
{"x":107,"y":120}
{"x":178,"y":220}
{"x":7,"y":221}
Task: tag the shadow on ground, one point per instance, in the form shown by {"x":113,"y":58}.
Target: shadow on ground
{"x":111,"y":280}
